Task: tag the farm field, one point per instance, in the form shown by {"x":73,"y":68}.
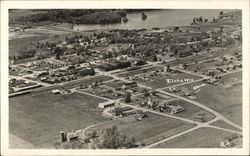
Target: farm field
{"x":149,"y":129}
{"x":201,"y":137}
{"x":40,"y":119}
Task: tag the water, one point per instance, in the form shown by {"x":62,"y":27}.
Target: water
{"x":156,"y":18}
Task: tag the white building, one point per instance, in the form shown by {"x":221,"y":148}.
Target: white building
{"x":106,"y":104}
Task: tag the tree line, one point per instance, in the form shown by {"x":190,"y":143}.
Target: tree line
{"x":76,"y":16}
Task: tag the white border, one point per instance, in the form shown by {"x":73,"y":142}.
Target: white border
{"x":168,"y":4}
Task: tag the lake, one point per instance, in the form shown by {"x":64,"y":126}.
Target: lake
{"x":156,"y":18}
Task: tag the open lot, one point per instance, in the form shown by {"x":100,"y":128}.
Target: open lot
{"x":149,"y":129}
{"x":40,"y":119}
{"x":201,"y":137}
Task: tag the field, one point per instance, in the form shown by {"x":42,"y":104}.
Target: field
{"x":223,"y":124}
{"x":149,"y":129}
{"x":39,"y":118}
{"x":225,"y":98}
{"x":201,"y":137}
{"x":17,"y":44}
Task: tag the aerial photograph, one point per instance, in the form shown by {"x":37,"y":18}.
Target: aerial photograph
{"x":125,"y":78}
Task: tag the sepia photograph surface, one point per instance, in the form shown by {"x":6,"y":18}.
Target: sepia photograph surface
{"x":125,"y":78}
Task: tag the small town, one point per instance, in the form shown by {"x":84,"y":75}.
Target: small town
{"x":158,"y":87}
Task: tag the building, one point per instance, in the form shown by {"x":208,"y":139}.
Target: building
{"x":174,"y":109}
{"x":71,"y":136}
{"x":106,"y":104}
{"x":56,"y":91}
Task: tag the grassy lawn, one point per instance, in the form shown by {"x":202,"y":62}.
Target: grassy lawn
{"x":39,"y":118}
{"x":149,"y":129}
{"x":198,"y":139}
{"x":223,"y":124}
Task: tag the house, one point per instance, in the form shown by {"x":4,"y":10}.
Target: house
{"x":131,"y":84}
{"x":174,"y":109}
{"x":106,"y":104}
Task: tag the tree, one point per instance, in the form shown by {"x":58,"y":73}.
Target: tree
{"x":145,"y":92}
{"x":214,"y":19}
{"x":176,"y":51}
{"x":221,"y":13}
{"x":168,"y":68}
{"x":58,"y":52}
{"x":194,"y":21}
{"x":184,"y":66}
{"x":112,"y":138}
{"x":118,"y":111}
{"x":127,"y":97}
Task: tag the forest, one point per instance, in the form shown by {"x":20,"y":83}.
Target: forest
{"x":75,"y":16}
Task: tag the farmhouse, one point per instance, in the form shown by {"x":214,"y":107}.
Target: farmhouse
{"x":106,"y":104}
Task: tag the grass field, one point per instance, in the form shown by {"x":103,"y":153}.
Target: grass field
{"x":198,"y":139}
{"x":225,"y":98}
{"x":39,"y":118}
{"x":223,"y":124}
{"x":18,"y":43}
{"x":149,"y":129}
